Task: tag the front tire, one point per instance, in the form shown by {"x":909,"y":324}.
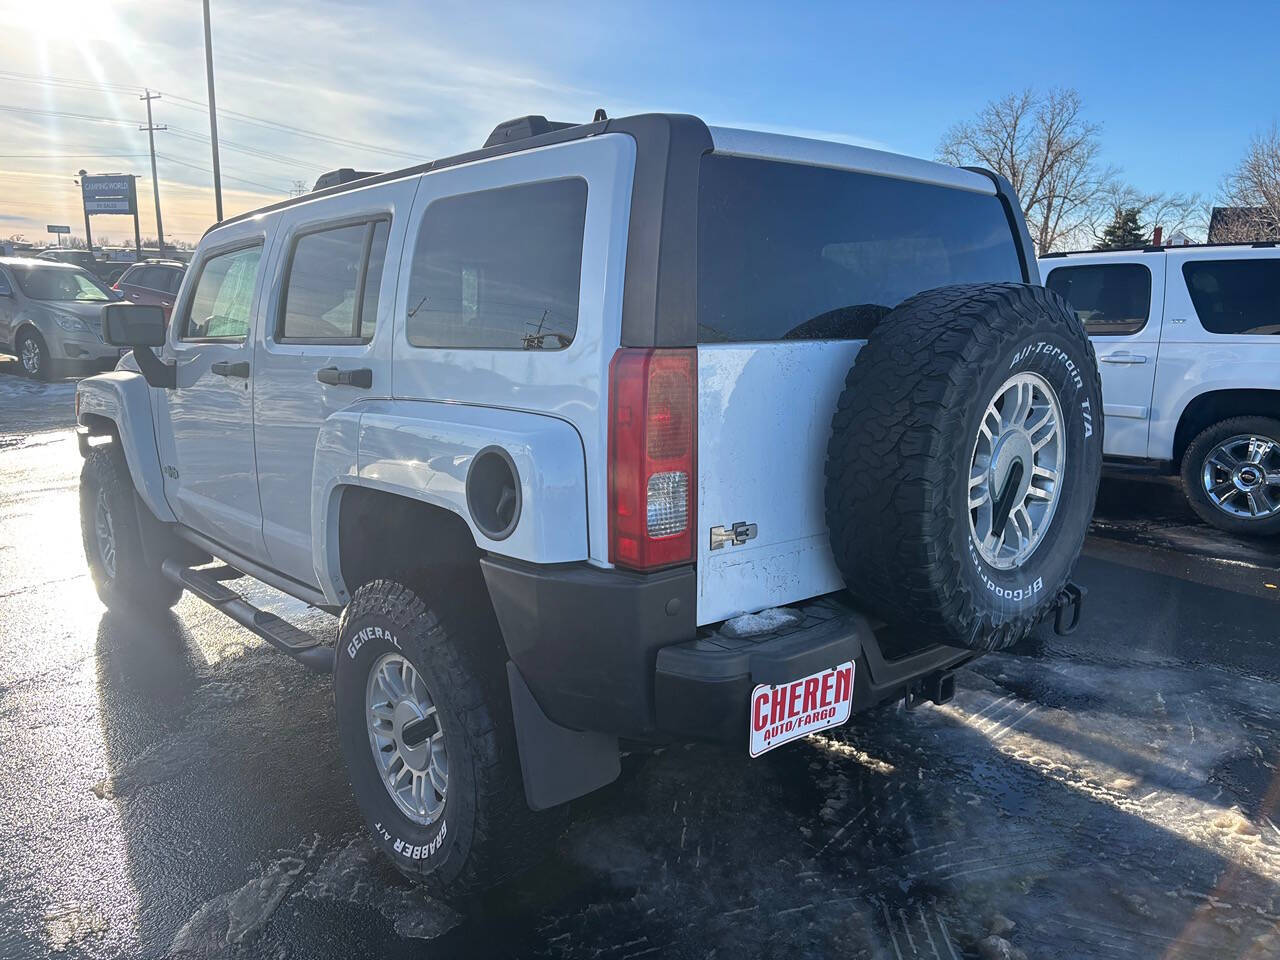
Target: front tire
{"x":112,"y":536}
{"x":1231,"y":475}
{"x":424,"y":720}
{"x":33,"y":355}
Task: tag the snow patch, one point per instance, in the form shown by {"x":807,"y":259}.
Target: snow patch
{"x":766,"y":621}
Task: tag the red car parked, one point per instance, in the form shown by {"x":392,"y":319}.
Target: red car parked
{"x":153,"y":282}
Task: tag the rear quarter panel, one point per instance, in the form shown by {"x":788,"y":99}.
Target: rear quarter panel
{"x":423,"y":450}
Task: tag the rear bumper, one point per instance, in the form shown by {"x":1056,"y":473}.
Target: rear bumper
{"x":703,"y":686}
{"x":619,"y":653}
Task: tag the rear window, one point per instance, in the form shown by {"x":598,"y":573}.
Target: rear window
{"x":795,"y":252}
{"x":1110,"y":299}
{"x":499,"y":269}
{"x":332,"y":286}
{"x":1235,"y":296}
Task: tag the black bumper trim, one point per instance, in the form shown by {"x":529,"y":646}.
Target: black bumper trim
{"x":702,"y":691}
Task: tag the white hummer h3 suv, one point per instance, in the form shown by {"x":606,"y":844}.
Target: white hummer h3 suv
{"x":630,"y":429}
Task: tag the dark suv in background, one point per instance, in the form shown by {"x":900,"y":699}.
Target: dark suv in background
{"x":104,"y":270}
{"x":153,"y":282}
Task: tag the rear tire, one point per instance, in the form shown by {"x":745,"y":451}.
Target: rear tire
{"x":964,"y":461}
{"x":447,"y":727}
{"x":1217,"y":457}
{"x":112,"y":536}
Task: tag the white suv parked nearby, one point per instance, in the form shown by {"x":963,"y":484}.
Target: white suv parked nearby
{"x":1187,"y":343}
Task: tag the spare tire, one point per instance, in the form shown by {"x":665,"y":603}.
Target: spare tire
{"x":963,"y":463}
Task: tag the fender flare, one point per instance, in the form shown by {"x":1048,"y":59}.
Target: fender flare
{"x":123,"y":399}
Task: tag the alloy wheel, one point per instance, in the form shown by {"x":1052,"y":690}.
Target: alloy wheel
{"x":407,"y":739}
{"x":1015,"y":471}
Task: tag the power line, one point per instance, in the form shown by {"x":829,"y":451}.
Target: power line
{"x":65,"y":156}
{"x":33,"y":111}
{"x":195,"y":166}
{"x":190,"y":103}
{"x":250,"y":151}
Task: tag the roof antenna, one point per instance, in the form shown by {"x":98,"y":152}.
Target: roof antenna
{"x":600,"y":115}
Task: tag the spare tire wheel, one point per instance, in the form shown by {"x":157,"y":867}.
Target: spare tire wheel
{"x":963,"y":463}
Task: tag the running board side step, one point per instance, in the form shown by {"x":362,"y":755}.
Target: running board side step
{"x":206,"y":583}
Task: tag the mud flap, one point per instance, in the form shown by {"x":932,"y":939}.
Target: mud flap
{"x":557,"y":764}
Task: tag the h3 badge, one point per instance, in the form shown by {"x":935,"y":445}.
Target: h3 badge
{"x":734,"y":536}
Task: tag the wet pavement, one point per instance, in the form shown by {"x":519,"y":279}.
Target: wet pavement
{"x":171,"y":787}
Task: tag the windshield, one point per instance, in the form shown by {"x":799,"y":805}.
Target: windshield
{"x":59,"y":283}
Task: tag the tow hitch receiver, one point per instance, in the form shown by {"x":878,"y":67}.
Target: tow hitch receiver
{"x":937,"y":688}
{"x":1066,"y":614}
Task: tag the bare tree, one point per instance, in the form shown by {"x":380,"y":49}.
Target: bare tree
{"x":1043,"y":146}
{"x":1171,"y":211}
{"x":1253,"y":189}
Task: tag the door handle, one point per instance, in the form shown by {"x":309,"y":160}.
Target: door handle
{"x":362,"y":377}
{"x":225,"y":368}
{"x":1123,"y":358}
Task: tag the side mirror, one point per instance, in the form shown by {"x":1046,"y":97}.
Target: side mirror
{"x":133,"y":325}
{"x":140,"y":326}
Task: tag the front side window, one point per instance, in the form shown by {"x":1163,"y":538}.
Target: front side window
{"x":1235,"y":296}
{"x":789,"y":251}
{"x":500,"y":269}
{"x":223,"y":299}
{"x":59,"y":283}
{"x":1111,"y":299}
{"x":4,"y":284}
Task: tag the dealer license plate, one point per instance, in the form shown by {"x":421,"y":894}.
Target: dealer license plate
{"x":782,"y":713}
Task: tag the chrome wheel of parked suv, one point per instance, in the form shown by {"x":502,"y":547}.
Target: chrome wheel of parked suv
{"x":1231,"y":475}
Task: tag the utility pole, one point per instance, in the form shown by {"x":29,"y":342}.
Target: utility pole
{"x":213,"y":114}
{"x":151,"y":129}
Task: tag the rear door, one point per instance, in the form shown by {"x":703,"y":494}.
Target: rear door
{"x":1121,"y":303}
{"x":325,"y":346}
{"x":796,"y":263}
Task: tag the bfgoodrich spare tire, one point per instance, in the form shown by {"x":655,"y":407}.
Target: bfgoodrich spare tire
{"x":963,"y":463}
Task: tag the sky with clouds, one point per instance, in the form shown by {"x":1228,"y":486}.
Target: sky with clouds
{"x":307,"y":87}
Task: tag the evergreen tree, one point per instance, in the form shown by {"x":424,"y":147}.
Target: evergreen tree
{"x":1123,"y":232}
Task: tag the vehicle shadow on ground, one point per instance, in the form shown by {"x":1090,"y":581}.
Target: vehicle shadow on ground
{"x":1154,"y":512}
{"x":904,"y":834}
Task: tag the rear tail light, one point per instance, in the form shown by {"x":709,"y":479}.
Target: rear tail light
{"x":653,"y":420}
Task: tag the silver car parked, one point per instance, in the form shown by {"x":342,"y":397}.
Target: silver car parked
{"x":50,"y":318}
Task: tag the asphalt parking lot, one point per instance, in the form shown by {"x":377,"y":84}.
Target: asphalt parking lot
{"x":171,"y":787}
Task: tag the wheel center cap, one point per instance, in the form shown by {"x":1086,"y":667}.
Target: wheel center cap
{"x":1013,"y":446}
{"x":1247,"y":477}
{"x":413,"y":734}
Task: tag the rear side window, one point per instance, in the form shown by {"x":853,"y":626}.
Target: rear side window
{"x":220,"y":307}
{"x":1235,"y":296}
{"x":500,"y":269}
{"x":1110,"y":299}
{"x":332,"y":288}
{"x":794,"y":252}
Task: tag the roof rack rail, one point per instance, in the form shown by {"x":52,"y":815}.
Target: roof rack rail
{"x":1148,"y":248}
{"x":522,"y":128}
{"x":342,"y":175}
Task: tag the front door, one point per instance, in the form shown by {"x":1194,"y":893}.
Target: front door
{"x":211,"y":480}
{"x":1121,"y":304}
{"x":326,"y":344}
{"x":8,"y":308}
